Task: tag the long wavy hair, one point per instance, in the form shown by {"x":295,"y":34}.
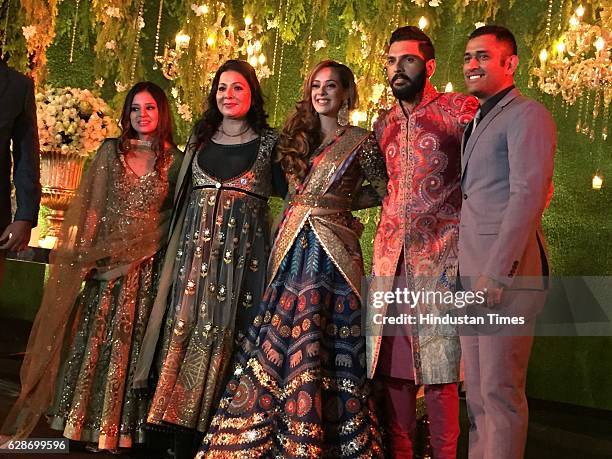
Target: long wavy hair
{"x":301,"y":134}
{"x":206,"y":127}
{"x":163,"y":133}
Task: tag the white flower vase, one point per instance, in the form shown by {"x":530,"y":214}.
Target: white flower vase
{"x":60,"y":175}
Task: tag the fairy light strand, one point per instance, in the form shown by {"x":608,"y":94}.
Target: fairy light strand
{"x":309,"y":40}
{"x":8,"y":9}
{"x":136,"y":41}
{"x":157,"y":33}
{"x":396,"y":13}
{"x":280,"y":11}
{"x":280,"y":63}
{"x":74,"y":27}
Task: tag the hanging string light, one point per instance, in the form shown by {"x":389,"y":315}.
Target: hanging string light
{"x":280,"y":65}
{"x":6,"y":19}
{"x":135,"y":53}
{"x":157,"y":35}
{"x":74,"y":27}
{"x":309,"y":39}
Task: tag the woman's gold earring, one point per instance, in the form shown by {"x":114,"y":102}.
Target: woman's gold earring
{"x":343,"y":114}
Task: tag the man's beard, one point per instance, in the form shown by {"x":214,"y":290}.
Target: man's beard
{"x":409,"y":91}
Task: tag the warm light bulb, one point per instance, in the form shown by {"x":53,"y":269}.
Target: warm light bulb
{"x":210,"y":41}
{"x":230,"y":28}
{"x":248,"y":20}
{"x":600,"y":44}
{"x":182,"y":40}
{"x":423,"y":22}
{"x":204,"y":9}
{"x":543,"y":55}
{"x":250,"y":50}
{"x":560,"y":47}
{"x":358,"y":117}
{"x":448,"y":87}
{"x":257,"y":45}
{"x":597,"y":182}
{"x":253,"y":61}
{"x":262,"y":59}
{"x":574,"y":22}
{"x":580,"y":11}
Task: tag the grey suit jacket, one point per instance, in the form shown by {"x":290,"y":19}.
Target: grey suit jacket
{"x":18,"y":123}
{"x":506,"y":173}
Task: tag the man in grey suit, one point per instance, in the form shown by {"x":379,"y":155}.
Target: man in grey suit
{"x":507,"y":169}
{"x":17,"y":126}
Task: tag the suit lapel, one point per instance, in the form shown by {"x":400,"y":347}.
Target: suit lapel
{"x":468,"y":147}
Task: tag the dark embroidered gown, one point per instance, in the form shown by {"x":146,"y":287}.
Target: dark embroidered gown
{"x":299,"y":383}
{"x":219,"y":274}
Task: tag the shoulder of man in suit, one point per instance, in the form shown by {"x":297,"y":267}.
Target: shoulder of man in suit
{"x":15,"y":75}
{"x":523,"y":102}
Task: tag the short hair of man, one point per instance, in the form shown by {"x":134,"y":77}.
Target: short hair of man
{"x":501,"y":34}
{"x":412,"y":33}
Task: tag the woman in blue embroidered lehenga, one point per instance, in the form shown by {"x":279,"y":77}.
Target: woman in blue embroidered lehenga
{"x":299,"y":386}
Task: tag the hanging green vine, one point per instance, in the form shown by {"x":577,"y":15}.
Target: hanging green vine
{"x":13,"y":45}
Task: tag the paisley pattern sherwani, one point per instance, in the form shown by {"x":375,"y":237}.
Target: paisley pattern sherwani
{"x":420,"y":219}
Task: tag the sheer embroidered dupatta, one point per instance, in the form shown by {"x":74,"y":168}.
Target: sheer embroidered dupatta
{"x":88,"y":241}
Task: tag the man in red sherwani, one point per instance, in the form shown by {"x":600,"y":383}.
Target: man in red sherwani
{"x":416,"y":244}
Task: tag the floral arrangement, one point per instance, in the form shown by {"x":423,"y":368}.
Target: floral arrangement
{"x":73,"y":121}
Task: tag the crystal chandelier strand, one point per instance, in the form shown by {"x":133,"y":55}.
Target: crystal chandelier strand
{"x":549,"y":17}
{"x":560,"y":15}
{"x":579,"y":122}
{"x":585,"y":117}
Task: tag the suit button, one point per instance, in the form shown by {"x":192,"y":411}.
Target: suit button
{"x":464,"y":196}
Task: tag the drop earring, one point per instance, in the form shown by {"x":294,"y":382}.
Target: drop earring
{"x":343,"y":114}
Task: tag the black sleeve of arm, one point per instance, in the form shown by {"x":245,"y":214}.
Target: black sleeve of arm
{"x":26,"y":160}
{"x":279,"y":181}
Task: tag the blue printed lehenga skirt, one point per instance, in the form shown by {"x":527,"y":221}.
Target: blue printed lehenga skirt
{"x":299,"y":387}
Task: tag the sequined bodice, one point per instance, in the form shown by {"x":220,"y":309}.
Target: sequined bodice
{"x":137,"y":200}
{"x":257,"y":179}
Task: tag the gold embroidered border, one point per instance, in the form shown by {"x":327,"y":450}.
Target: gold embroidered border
{"x":340,"y":256}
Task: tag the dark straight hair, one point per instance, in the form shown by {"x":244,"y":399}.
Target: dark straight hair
{"x":501,"y":34}
{"x":412,"y":33}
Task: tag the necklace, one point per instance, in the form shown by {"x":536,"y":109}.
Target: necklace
{"x":138,"y":144}
{"x":233,"y":135}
